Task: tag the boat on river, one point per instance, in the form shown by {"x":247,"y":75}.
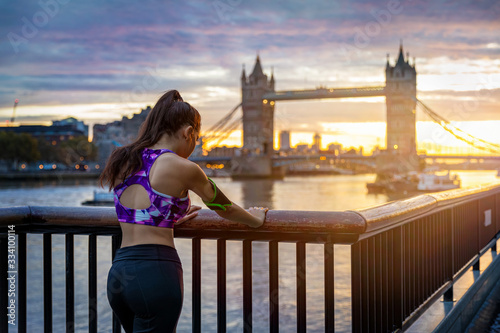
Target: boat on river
{"x":394,"y":183}
{"x":432,"y":182}
{"x":414,"y":182}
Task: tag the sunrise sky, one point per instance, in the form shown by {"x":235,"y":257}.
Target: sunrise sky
{"x":101,"y":60}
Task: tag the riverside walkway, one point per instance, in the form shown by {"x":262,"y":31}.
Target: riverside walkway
{"x":406,"y":256}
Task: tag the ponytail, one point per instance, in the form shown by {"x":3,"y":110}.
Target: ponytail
{"x":169,"y":114}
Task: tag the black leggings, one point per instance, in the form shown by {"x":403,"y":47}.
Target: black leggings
{"x":145,"y":288}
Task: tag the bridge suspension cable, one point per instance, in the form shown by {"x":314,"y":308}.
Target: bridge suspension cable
{"x":223,"y":128}
{"x":458,"y":133}
{"x":233,"y":126}
{"x":224,"y":120}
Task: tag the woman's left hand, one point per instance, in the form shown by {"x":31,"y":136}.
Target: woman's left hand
{"x":193,"y":212}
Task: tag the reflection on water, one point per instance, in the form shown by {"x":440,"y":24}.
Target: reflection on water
{"x":258,"y":192}
{"x":325,"y":193}
{"x":47,"y":183}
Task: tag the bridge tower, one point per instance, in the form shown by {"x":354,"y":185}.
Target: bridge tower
{"x":401,"y":92}
{"x":258,"y":126}
{"x":258,"y":113}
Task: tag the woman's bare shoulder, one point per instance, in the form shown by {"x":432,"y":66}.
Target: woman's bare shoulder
{"x":171,"y":163}
{"x":174,"y":159}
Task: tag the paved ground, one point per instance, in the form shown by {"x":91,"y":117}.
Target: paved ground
{"x":488,"y":317}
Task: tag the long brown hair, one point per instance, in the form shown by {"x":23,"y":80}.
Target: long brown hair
{"x":168,"y":116}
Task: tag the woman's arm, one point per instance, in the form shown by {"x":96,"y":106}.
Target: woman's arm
{"x":198,"y":183}
{"x":254,"y":217}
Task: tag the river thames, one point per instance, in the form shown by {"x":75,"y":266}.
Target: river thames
{"x":321,"y":193}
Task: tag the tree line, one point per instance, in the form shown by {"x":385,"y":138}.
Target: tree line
{"x":19,"y":148}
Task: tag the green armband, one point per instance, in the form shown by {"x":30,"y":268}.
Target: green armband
{"x":219,"y":201}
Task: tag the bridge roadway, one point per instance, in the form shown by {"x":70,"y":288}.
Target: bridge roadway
{"x":462,"y":157}
{"x":325,"y":93}
{"x":281,"y":160}
{"x":288,"y":160}
{"x":284,"y":158}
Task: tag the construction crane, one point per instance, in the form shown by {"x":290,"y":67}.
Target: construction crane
{"x":14,"y":111}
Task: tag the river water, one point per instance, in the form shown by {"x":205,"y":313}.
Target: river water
{"x":321,"y":193}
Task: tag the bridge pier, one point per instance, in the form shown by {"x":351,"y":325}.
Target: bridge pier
{"x":394,"y":163}
{"x":258,"y":166}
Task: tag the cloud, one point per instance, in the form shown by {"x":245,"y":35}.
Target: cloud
{"x":106,"y":51}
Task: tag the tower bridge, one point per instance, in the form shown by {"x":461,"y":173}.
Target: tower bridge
{"x":259,"y":98}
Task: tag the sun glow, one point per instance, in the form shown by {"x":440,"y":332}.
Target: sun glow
{"x":431,"y":137}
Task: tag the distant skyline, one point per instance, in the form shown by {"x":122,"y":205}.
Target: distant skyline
{"x":101,"y":60}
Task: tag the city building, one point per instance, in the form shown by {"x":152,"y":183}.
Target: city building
{"x":335,"y":148}
{"x":60,"y":130}
{"x":284,"y":140}
{"x":77,"y":124}
{"x":117,"y":133}
{"x":302,"y":148}
{"x":316,"y":146}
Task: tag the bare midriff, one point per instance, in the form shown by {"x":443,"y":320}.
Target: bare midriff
{"x":135,"y":234}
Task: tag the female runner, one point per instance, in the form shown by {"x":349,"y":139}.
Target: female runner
{"x":151,"y":178}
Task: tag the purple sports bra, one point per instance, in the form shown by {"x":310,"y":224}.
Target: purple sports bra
{"x":164,"y":211}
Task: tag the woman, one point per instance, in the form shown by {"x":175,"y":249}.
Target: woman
{"x":151,"y":178}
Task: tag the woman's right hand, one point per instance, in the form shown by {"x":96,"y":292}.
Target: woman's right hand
{"x":260,"y":214}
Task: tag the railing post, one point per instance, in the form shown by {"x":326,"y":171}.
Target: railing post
{"x":115,"y":245}
{"x":92,"y":258}
{"x":221,"y":285}
{"x":356,"y":286}
{"x":329,"y":288}
{"x":196,"y":284}
{"x":390,"y":279}
{"x":301,"y":286}
{"x":450,"y":231}
{"x":47,"y":282}
{"x":273,"y":287}
{"x":21,"y":271}
{"x":383,"y":292}
{"x":247,"y":286}
{"x":70,"y":283}
{"x":398,"y":277}
{"x":450,"y":234}
{"x":475,"y":267}
{"x":448,"y":295}
{"x":370,"y":283}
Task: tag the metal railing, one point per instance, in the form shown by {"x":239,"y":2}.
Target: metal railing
{"x":413,"y":250}
{"x":404,"y":255}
